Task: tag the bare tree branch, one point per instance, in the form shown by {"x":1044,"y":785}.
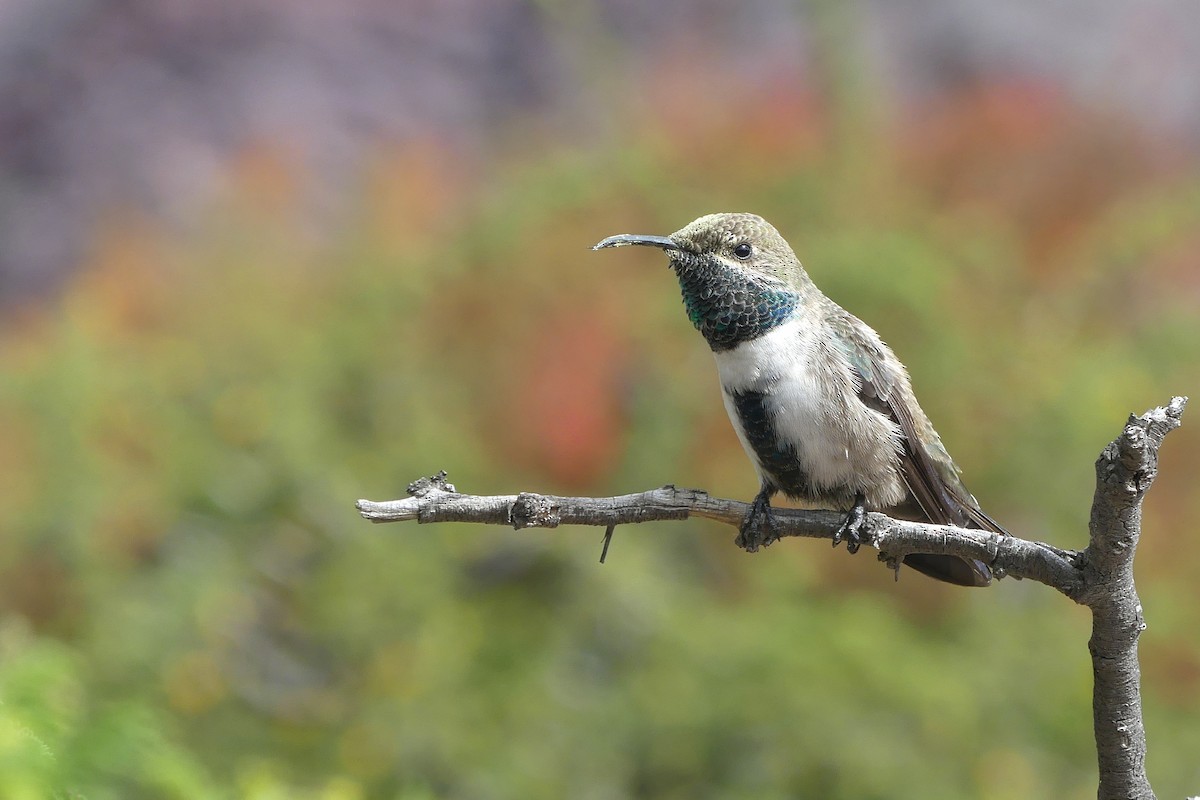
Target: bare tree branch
{"x":1100,"y":577}
{"x":433,"y":500}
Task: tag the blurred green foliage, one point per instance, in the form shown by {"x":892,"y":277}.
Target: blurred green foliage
{"x":192,"y":608}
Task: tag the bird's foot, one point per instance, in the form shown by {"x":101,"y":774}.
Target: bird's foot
{"x":758,"y":529}
{"x":851,"y":528}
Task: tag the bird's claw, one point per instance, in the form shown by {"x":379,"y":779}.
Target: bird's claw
{"x":758,"y":529}
{"x":850,"y":530}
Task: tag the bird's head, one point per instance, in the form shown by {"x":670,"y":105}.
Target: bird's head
{"x":724,"y":243}
{"x":739,"y":277}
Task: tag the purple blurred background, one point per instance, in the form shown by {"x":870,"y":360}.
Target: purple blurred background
{"x":109,"y":107}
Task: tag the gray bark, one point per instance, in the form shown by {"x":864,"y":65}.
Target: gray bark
{"x":1124,"y":472}
{"x":1099,"y":577}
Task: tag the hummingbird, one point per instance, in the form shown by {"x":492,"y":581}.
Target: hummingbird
{"x":823,"y":408}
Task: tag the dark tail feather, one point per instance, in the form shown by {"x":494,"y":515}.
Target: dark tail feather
{"x":950,"y":569}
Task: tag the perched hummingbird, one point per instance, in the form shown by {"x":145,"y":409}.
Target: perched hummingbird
{"x":821,"y":405}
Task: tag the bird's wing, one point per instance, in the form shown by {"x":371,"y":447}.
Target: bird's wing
{"x":929,"y":472}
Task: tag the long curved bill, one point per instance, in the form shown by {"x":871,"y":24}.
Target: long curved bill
{"x":626,"y":239}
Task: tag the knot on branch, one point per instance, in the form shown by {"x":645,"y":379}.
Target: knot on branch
{"x":423,"y":486}
{"x":1138,"y":461}
{"x":1130,"y":462}
{"x":531,"y":510}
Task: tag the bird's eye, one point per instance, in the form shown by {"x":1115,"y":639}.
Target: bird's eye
{"x":743,"y":251}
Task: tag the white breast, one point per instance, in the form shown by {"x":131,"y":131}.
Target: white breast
{"x":812,"y":398}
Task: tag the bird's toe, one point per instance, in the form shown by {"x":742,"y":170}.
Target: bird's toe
{"x":850,"y":530}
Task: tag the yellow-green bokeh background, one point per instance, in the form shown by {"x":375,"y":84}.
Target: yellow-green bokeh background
{"x":191,"y":607}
